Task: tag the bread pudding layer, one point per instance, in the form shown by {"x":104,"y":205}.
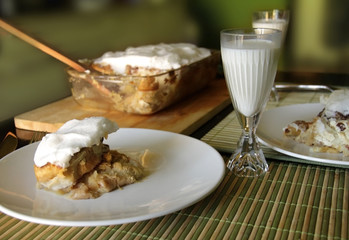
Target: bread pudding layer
{"x":327,"y":132}
{"x":61,"y":180}
{"x":115,"y":171}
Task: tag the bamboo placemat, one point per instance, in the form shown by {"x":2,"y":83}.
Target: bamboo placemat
{"x":292,"y":200}
{"x":225,"y":135}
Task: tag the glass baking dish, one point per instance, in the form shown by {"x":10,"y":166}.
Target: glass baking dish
{"x":142,"y":94}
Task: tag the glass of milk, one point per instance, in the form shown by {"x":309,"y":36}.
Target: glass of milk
{"x":276,"y":19}
{"x":250,"y":58}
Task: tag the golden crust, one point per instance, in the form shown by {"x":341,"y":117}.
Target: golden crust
{"x":103,"y":69}
{"x":48,"y":172}
{"x":56,"y":178}
{"x":148,"y":84}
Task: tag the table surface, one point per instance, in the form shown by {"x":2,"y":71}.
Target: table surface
{"x":294,"y":200}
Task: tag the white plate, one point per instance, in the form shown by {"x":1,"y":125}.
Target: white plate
{"x":186,"y":171}
{"x":270,"y":133}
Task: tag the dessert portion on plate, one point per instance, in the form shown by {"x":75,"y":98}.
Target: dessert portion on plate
{"x":144,"y":79}
{"x":329,"y":130}
{"x":75,"y":162}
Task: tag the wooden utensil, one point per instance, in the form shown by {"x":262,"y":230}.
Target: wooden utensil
{"x":59,"y":56}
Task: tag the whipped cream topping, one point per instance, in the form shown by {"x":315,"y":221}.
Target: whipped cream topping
{"x":337,"y":101}
{"x":58,"y":148}
{"x":161,"y":56}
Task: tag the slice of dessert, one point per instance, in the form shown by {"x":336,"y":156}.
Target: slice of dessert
{"x":63,"y":157}
{"x":329,"y":130}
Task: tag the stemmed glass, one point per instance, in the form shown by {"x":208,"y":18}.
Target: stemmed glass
{"x":250,"y":58}
{"x":275,"y":19}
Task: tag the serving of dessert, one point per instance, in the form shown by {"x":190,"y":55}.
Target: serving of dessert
{"x":144,"y":79}
{"x":329,"y":130}
{"x":75,"y":162}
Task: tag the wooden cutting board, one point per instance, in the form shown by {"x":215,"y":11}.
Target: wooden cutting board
{"x":183,"y":117}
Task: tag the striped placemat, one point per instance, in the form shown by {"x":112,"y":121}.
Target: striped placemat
{"x":225,"y":135}
{"x":294,"y":201}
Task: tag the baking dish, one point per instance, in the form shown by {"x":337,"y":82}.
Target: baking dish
{"x":141,"y":94}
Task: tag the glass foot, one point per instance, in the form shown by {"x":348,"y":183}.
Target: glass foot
{"x":248,"y":164}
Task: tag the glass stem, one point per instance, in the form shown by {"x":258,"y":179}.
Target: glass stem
{"x":248,"y":159}
{"x":248,"y":141}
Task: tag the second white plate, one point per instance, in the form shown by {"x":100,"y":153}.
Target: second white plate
{"x":270,"y":133}
{"x":185,"y":171}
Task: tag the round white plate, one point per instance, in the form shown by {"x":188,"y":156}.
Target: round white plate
{"x":184,"y":171}
{"x":270,"y":133}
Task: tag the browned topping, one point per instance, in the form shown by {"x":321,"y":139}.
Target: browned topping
{"x":172,"y":78}
{"x":116,"y":170}
{"x":320,"y":113}
{"x":129,"y":70}
{"x":341,"y":126}
{"x":141,"y":71}
{"x":103,"y":69}
{"x":293,"y":131}
{"x":341,"y":116}
{"x":302,"y":124}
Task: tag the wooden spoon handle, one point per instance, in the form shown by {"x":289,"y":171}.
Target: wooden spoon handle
{"x":41,"y":46}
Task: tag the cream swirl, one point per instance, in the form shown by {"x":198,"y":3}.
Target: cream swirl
{"x":58,"y":148}
{"x":336,"y":102}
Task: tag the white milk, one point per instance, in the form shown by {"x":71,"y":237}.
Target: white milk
{"x":250,"y":74}
{"x":279,"y":24}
